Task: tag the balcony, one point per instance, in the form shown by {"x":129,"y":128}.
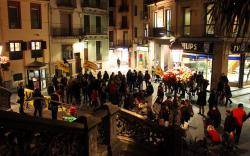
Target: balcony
{"x":124,"y":43}
{"x":66,"y":3}
{"x":159,"y":32}
{"x":66,"y":32}
{"x":94,"y":4}
{"x":93,"y":30}
{"x":123,"y":8}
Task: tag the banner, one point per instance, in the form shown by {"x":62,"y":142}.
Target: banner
{"x":60,"y":65}
{"x":159,"y":71}
{"x":91,"y":65}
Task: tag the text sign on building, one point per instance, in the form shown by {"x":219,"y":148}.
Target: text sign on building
{"x":200,"y":47}
{"x":240,"y":48}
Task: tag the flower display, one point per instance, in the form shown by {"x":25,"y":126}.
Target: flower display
{"x":180,"y":74}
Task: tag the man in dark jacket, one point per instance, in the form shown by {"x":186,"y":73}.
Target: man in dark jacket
{"x":229,"y":126}
{"x":146,"y":78}
{"x":54,"y":105}
{"x":20,"y":93}
{"x":230,"y":123}
{"x":38,"y":102}
{"x":212,"y":101}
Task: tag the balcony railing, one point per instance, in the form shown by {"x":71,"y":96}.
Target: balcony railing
{"x":159,"y":32}
{"x":123,"y":8}
{"x":93,"y":30}
{"x":123,"y":43}
{"x":66,"y":3}
{"x":66,"y":32}
{"x":93,"y":4}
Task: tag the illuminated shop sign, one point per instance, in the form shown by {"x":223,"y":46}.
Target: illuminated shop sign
{"x":240,"y":48}
{"x":201,"y":47}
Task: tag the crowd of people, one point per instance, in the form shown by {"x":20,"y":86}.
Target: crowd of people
{"x":128,"y":91}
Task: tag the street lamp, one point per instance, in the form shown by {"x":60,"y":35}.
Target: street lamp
{"x":177,"y":51}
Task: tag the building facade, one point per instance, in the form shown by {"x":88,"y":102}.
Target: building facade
{"x":24,"y":36}
{"x":79,"y":32}
{"x":205,"y":49}
{"x":126,"y":34}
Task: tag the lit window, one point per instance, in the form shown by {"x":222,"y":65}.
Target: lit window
{"x":209,"y":22}
{"x":187,"y":21}
{"x":36,"y":45}
{"x":235,"y":27}
{"x":159,"y":18}
{"x":15,"y":46}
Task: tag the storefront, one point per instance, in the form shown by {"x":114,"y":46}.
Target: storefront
{"x":198,"y":57}
{"x":142,"y":60}
{"x":37,"y":74}
{"x":239,"y":66}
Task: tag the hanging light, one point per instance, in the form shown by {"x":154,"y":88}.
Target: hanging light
{"x":177,"y":51}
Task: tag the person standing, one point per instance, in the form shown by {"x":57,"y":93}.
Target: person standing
{"x":54,"y":105}
{"x":38,"y":99}
{"x":212,"y":101}
{"x":229,"y":125}
{"x":147,"y":78}
{"x":20,"y":93}
{"x":105,"y":76}
{"x":214,"y":116}
{"x":55,"y":82}
{"x":228,"y":94}
{"x":240,"y":116}
{"x":140,"y":81}
{"x":149,"y":93}
{"x":118,"y":63}
{"x":201,"y":101}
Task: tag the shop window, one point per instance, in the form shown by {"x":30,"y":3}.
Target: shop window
{"x":15,"y":48}
{"x":233,"y":68}
{"x":187,"y":21}
{"x":35,"y":16}
{"x":209,"y":23}
{"x":14,"y":15}
{"x":67,"y":52}
{"x":135,"y":10}
{"x":98,"y":51}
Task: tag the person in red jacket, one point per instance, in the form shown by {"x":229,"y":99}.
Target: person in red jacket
{"x":240,"y":116}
